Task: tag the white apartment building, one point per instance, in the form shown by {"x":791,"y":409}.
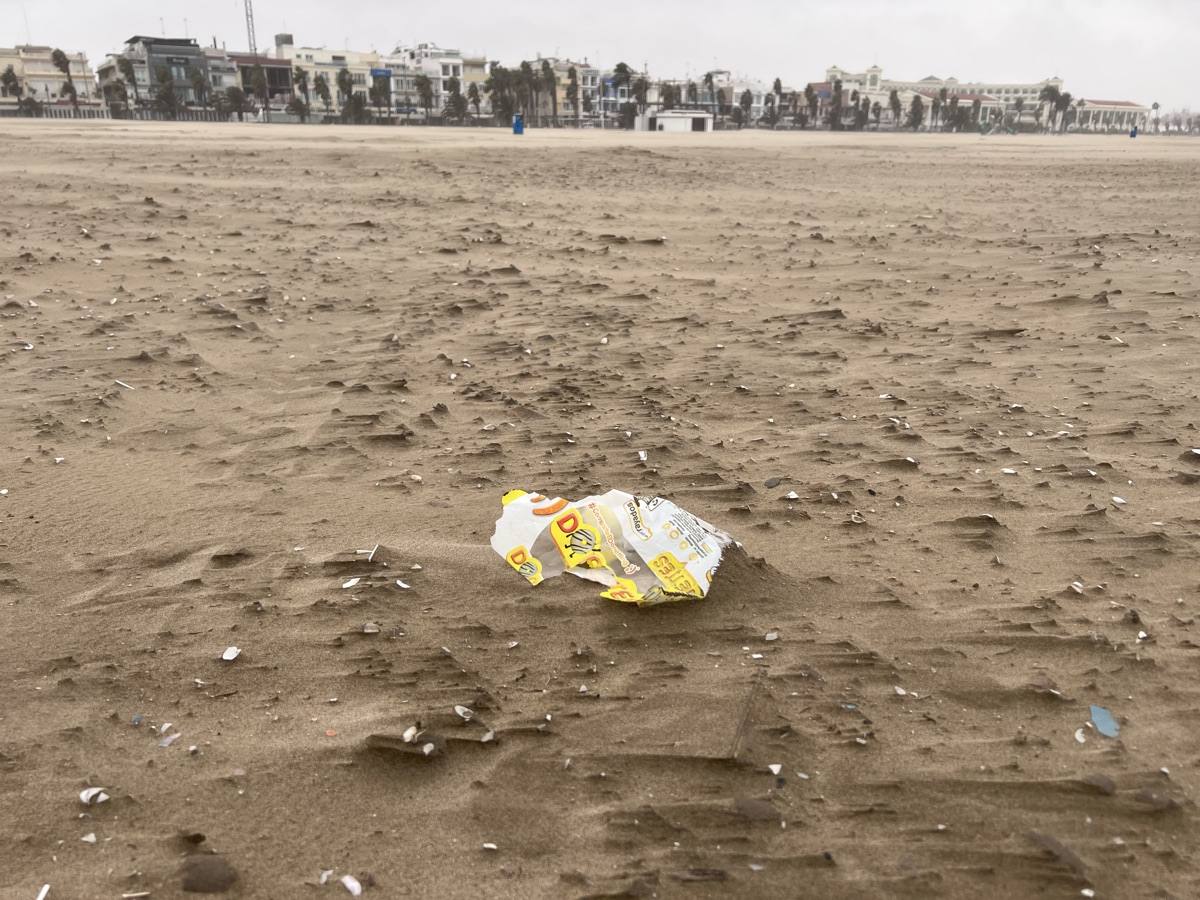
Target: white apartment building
{"x":40,"y":79}
{"x":401,"y":66}
{"x":322,"y":61}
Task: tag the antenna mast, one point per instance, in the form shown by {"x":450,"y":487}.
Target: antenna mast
{"x":250,"y":27}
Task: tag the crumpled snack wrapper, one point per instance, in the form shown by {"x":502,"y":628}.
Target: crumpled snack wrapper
{"x":644,"y":550}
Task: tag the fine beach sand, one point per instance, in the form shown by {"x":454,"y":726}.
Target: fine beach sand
{"x":256,"y":351}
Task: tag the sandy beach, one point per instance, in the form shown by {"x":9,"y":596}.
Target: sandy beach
{"x":942,"y":388}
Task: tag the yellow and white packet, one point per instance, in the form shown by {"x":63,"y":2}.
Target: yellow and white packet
{"x":645,"y":550}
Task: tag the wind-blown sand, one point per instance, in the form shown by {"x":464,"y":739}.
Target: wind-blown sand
{"x":881,"y":324}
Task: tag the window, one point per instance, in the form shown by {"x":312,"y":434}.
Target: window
{"x":179,"y":73}
{"x":218,"y":81}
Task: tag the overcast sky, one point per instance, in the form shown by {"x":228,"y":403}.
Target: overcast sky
{"x":1143,"y":50}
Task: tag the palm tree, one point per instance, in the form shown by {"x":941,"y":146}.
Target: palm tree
{"x":236,"y":98}
{"x":1062,"y":104}
{"x":641,"y":87}
{"x":165,"y":97}
{"x":622,"y":75}
{"x":474,"y":99}
{"x":258,"y":82}
{"x":300,"y":79}
{"x":877,"y":112}
{"x":835,"y":107}
{"x":321,"y":89}
{"x":746,"y":103}
{"x":1079,"y":105}
{"x":812,"y":101}
{"x":11,"y":83}
{"x":345,"y":86}
{"x":381,"y":93}
{"x":777,"y":89}
{"x":1154,"y":106}
{"x":1020,"y":105}
{"x":425,"y":93}
{"x":693,"y":94}
{"x":125,"y":67}
{"x":573,"y":92}
{"x":916,"y":113}
{"x":935,"y":111}
{"x":500,"y":87}
{"x":63,"y":64}
{"x":710,"y":87}
{"x":1049,"y":95}
{"x":199,"y":85}
{"x":550,"y":83}
{"x":896,"y":107}
{"x":116,"y":95}
{"x":530,"y":88}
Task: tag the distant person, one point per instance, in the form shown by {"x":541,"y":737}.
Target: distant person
{"x":1133,"y":131}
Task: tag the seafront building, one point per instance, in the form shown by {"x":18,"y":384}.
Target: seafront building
{"x":1019,"y":100}
{"x":39,"y":79}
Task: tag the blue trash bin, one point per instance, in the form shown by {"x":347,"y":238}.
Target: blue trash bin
{"x":518,"y":124}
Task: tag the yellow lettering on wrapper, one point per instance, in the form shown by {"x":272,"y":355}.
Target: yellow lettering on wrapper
{"x":579,"y":543}
{"x":529,"y":566}
{"x":674,"y":575}
{"x":624,"y":591}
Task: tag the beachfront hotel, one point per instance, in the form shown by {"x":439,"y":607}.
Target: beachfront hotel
{"x":995,"y":97}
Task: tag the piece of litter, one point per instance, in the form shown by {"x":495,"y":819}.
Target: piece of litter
{"x":351,"y":884}
{"x":370,"y":628}
{"x":401,"y":584}
{"x":628,"y":544}
{"x":775,"y":768}
{"x":44,"y":892}
{"x":1119,"y":501}
{"x":231,"y":653}
{"x":170,"y":739}
{"x":642,"y":455}
{"x":1087,"y":892}
{"x":490,"y":846}
{"x":350,"y":582}
{"x":1104,"y":722}
{"x":1077,"y":586}
{"x":1080,"y":736}
{"x":465,"y":713}
{"x":771,"y":636}
{"x":89,"y":838}
{"x":124,"y":385}
{"x":900,"y":692}
{"x":410,"y":734}
{"x":792,"y":495}
{"x":326,"y":874}
{"x":93,"y":795}
{"x":1009,"y":471}
{"x":428,"y":749}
